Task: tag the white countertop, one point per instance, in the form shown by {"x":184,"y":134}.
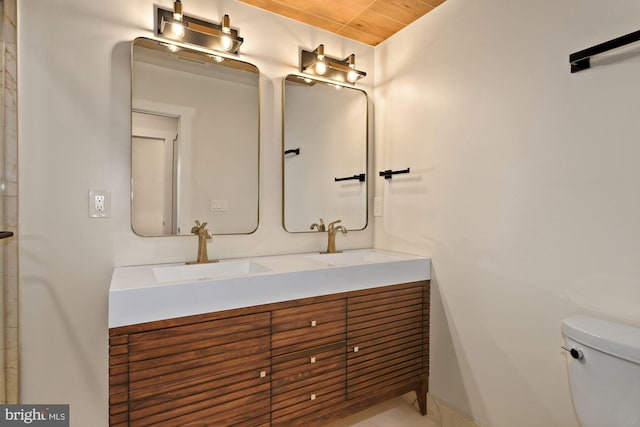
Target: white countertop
{"x":142,"y":294}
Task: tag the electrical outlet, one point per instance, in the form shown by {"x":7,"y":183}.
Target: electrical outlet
{"x":99,"y":203}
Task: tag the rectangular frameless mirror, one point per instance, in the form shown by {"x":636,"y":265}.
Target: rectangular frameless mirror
{"x":194,"y":141}
{"x":325,"y":146}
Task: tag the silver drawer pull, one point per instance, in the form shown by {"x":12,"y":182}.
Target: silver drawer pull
{"x":356,"y":349}
{"x":313,"y":359}
{"x":263,"y":374}
{"x":313,"y":396}
{"x":313,"y":323}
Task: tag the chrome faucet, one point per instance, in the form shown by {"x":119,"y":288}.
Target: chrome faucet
{"x":331,"y":241}
{"x":203,"y":235}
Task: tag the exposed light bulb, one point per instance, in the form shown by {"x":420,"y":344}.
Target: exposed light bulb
{"x":352,"y":75}
{"x":321,"y":67}
{"x":217,"y":58}
{"x":177,"y":29}
{"x":227,"y":43}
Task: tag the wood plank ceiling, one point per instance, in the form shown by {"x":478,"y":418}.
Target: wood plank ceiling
{"x":367,"y":21}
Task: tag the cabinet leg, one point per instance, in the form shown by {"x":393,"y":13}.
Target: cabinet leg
{"x":421,"y":394}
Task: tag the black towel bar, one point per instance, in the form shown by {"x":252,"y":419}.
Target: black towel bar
{"x":389,"y":173}
{"x":359,"y":177}
{"x":582,"y":60}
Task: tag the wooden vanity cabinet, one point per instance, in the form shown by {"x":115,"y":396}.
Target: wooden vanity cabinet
{"x":303,"y":362}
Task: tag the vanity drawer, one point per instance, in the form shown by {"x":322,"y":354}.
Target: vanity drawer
{"x":308,"y":316}
{"x":308,"y":390}
{"x":305,"y":327}
{"x":305,"y":339}
{"x":297,"y":407}
{"x":291,"y":370}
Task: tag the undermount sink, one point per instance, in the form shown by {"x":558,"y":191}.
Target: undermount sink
{"x":198,"y":272}
{"x":353,"y":258}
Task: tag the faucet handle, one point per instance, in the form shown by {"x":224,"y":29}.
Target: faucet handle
{"x":319,"y":227}
{"x":331,"y":224}
{"x":200,"y":228}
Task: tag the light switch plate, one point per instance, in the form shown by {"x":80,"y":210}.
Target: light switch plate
{"x":99,"y":203}
{"x":219,"y":205}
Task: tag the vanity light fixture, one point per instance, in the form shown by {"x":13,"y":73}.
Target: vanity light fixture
{"x":175,"y":25}
{"x":341,"y":70}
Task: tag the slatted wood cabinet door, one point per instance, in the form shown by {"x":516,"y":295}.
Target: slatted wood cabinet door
{"x":386,"y":347}
{"x":209,"y":373}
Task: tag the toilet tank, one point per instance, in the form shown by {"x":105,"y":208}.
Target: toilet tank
{"x":605,"y":382}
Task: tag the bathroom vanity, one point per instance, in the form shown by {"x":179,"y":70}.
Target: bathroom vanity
{"x":287,"y":340}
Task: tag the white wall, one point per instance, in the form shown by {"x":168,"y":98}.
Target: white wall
{"x":524,"y":190}
{"x":75,"y":135}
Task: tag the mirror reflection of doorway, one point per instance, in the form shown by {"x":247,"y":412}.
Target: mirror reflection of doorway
{"x":154,"y":173}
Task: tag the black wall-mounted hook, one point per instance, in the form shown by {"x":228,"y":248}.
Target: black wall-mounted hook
{"x":359,"y":177}
{"x":295,"y":151}
{"x":389,"y":173}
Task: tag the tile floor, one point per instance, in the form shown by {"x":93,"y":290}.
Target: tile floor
{"x":397,"y":412}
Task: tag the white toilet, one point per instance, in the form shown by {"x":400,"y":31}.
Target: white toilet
{"x":604,"y":371}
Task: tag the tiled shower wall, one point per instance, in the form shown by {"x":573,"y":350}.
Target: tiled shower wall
{"x":9,"y":204}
